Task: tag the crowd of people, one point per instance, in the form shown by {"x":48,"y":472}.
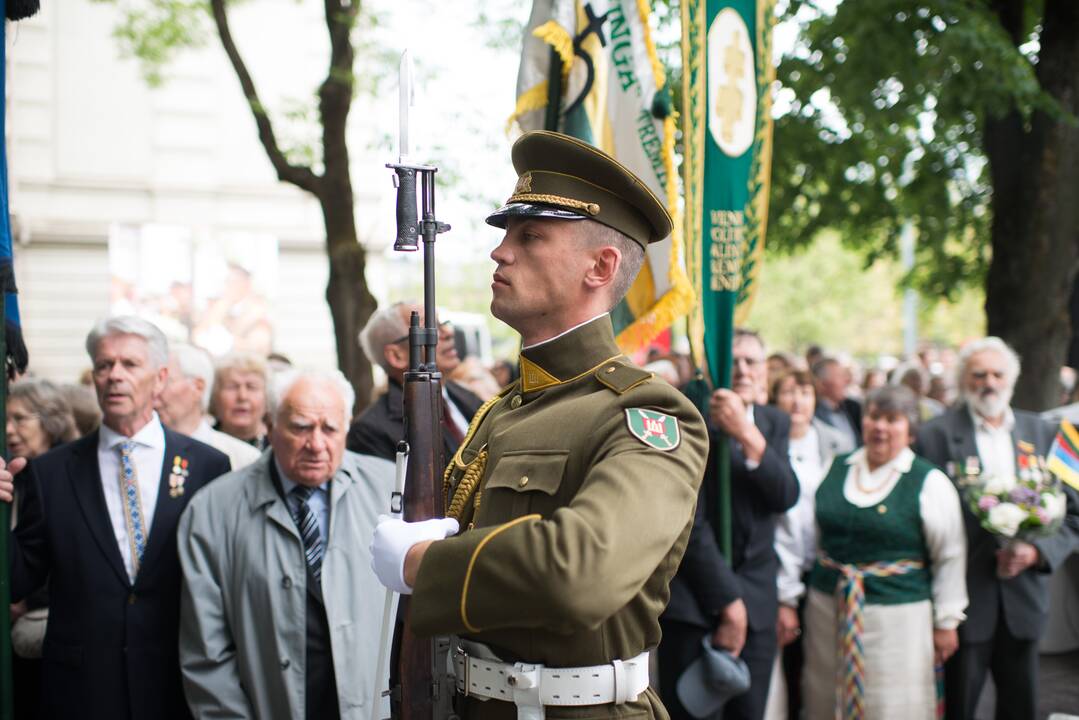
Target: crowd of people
{"x":205,"y":538}
{"x":834,"y":487}
{"x":842,"y":516}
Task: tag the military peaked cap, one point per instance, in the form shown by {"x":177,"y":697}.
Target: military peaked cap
{"x":562,"y":177}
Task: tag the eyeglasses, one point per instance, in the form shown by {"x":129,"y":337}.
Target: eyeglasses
{"x":445,"y":331}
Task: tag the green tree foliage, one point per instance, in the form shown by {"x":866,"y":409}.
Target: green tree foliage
{"x":825,"y":294}
{"x":957,"y":116}
{"x":885,"y":104}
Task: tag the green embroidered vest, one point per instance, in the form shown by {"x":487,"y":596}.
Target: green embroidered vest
{"x":889,"y":530}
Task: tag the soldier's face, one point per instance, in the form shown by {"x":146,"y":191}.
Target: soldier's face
{"x":540,"y":265}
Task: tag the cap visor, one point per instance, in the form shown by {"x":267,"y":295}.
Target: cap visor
{"x":499,"y":217}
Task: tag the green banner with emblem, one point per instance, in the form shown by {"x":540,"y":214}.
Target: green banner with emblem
{"x":727,"y":130}
{"x":727,"y":125}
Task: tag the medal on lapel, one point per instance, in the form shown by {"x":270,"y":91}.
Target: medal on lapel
{"x":177,"y":477}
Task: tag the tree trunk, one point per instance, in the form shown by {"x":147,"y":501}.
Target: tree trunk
{"x":351,"y":305}
{"x":1034,"y":166}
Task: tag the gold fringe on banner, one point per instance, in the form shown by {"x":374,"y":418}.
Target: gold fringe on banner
{"x":760,"y":174}
{"x":680,"y":297}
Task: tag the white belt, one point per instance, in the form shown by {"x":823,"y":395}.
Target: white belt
{"x":530,"y":686}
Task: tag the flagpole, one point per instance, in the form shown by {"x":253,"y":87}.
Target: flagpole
{"x":554,"y":93}
{"x":722,"y":373}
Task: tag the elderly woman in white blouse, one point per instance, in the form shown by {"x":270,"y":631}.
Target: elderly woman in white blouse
{"x":813,"y":445}
{"x":888,"y":589}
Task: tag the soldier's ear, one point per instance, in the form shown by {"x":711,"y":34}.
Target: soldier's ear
{"x":605,"y":263}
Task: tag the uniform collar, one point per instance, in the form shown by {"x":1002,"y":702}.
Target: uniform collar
{"x":569,"y":355}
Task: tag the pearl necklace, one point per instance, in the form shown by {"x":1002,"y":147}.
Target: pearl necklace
{"x":871,"y":490}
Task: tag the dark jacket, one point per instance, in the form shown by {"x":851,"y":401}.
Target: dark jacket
{"x":948,"y":441}
{"x":705,"y":582}
{"x":381,"y":426}
{"x":111,"y":648}
{"x":851,"y":408}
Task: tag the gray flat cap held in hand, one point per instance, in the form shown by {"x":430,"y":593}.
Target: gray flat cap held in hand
{"x":711,"y":680}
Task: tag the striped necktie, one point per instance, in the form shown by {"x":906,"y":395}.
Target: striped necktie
{"x":307,"y":524}
{"x":129,"y":491}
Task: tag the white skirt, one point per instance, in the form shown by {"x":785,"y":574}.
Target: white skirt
{"x":898,"y":645}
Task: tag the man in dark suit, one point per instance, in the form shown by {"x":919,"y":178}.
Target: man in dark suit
{"x":99,"y":524}
{"x":763,"y":485}
{"x":833,"y":405}
{"x":1007,"y":586}
{"x":385,"y":341}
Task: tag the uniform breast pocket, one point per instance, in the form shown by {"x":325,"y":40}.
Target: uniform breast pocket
{"x":523,"y":482}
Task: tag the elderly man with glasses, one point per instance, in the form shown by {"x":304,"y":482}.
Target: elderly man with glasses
{"x":385,"y":341}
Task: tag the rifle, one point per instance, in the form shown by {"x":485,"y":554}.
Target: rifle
{"x":422,"y":688}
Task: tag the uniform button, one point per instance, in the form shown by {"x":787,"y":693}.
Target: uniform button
{"x":611,"y":369}
{"x":285,"y":663}
{"x":286,"y":582}
{"x":515,"y":402}
{"x":131,"y":599}
{"x":523,"y":481}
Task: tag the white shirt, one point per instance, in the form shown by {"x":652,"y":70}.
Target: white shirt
{"x":795,"y":531}
{"x":751,"y":465}
{"x":456,"y":416}
{"x":149,"y":460}
{"x":942,"y":526}
{"x":995,"y":447}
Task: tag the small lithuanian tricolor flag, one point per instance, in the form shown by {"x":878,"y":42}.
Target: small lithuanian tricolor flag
{"x":1063,"y":458}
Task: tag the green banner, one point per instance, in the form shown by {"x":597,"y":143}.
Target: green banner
{"x":727,"y":76}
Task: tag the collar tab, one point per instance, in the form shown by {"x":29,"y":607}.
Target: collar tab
{"x":534,"y":378}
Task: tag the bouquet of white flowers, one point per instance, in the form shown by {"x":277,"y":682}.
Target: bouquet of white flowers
{"x":1015,"y":507}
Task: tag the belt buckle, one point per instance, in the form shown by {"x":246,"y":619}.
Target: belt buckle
{"x":460,"y":653}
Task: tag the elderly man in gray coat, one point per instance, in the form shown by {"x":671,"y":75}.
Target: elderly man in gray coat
{"x":280,"y":609}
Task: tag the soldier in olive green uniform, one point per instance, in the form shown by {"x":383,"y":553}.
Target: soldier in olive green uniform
{"x":575,"y":487}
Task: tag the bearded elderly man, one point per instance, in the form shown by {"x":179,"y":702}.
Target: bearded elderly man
{"x":1009,"y":599}
{"x":279,"y":611}
{"x":575,"y":488}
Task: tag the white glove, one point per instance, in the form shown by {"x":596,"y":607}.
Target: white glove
{"x":394,"y":538}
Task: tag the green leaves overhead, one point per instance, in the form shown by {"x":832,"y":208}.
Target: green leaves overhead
{"x":881,"y":106}
{"x":155,"y":31}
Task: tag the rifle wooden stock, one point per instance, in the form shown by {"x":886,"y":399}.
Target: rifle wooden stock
{"x":422,"y":694}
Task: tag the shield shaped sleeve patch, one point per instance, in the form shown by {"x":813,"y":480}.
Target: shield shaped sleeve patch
{"x":655,"y":429}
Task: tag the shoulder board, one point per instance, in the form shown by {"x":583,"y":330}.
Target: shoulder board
{"x":620,"y":377}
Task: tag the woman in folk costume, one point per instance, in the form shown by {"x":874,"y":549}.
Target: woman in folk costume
{"x":888,"y":588}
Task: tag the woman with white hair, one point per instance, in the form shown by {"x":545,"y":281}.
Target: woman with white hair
{"x":239,"y":398}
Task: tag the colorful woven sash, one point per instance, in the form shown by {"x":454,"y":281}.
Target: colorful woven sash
{"x":850,"y":594}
